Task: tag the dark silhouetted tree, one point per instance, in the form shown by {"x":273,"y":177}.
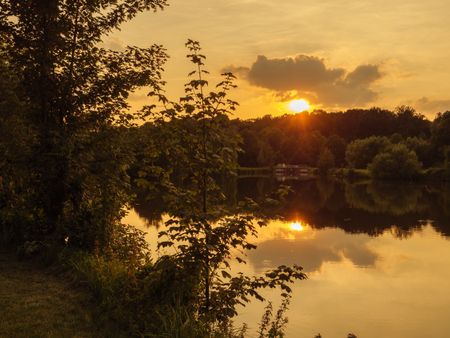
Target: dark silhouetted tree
{"x":76,"y":95}
{"x":361,"y":152}
{"x":326,"y":161}
{"x":440,"y":130}
{"x":396,"y":162}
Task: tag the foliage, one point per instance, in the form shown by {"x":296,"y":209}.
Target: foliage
{"x":179,"y":323}
{"x":326,"y":161}
{"x":75,"y":96}
{"x":191,"y":291}
{"x":337,"y":146}
{"x":410,"y":122}
{"x":396,"y":162}
{"x":361,"y":152}
{"x":151,"y":301}
{"x":203,"y":234}
{"x":422,"y":148}
{"x":103,"y":276}
{"x":274,"y":328}
{"x":129,"y":245}
{"x":440,"y":132}
{"x":298,"y":139}
{"x":112,"y":275}
{"x":16,"y":143}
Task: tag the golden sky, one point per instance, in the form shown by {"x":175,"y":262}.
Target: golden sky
{"x":338,"y":54}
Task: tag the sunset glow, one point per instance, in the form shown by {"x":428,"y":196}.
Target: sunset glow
{"x":284,"y":164}
{"x":297,"y":226}
{"x":299,"y":106}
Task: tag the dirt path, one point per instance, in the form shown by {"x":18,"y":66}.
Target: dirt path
{"x":36,"y":303}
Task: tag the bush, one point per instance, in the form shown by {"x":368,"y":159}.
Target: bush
{"x":422,"y":148}
{"x":129,"y":245}
{"x":116,"y":278}
{"x":361,"y":152}
{"x":145,"y":302}
{"x":397,"y":162}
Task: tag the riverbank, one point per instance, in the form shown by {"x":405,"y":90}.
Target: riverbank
{"x":433,"y":174}
{"x":36,"y":302}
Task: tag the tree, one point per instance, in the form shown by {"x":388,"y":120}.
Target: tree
{"x":76,"y":94}
{"x":337,"y":146}
{"x":202,"y":231}
{"x":411,"y":123}
{"x":440,"y":130}
{"x":422,"y":148}
{"x":396,"y":162}
{"x":326,"y":161}
{"x":16,"y":143}
{"x":361,"y":152}
{"x":266,"y":154}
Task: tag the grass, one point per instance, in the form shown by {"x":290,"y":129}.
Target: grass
{"x":35,"y":302}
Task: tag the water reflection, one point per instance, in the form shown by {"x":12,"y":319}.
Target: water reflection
{"x":362,"y":207}
{"x":294,"y":243}
{"x":377,"y":255}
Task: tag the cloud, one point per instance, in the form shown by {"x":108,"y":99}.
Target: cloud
{"x":310,"y":77}
{"x":114,"y":43}
{"x":428,"y":105}
{"x":241,"y":72}
{"x":330,"y":245}
{"x":301,"y":73}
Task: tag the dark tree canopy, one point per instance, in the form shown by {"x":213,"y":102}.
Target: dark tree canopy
{"x":299,"y":139}
{"x":75,"y":92}
{"x":440,"y":130}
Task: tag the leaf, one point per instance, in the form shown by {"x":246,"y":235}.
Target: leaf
{"x":165,"y":244}
{"x":225,"y":274}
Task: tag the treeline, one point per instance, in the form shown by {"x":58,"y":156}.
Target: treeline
{"x":344,"y":139}
{"x":383,"y":144}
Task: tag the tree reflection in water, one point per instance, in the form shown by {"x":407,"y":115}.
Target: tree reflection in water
{"x":368,"y":207}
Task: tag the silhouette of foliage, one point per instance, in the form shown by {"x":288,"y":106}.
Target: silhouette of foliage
{"x":75,"y":96}
{"x":396,"y":162}
{"x":326,"y":161}
{"x":203,"y":235}
{"x":360,"y":153}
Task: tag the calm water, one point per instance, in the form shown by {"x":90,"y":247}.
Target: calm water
{"x":377,"y":256}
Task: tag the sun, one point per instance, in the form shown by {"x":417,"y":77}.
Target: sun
{"x":297,"y":226}
{"x":299,"y":106}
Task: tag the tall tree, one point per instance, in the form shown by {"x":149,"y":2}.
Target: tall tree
{"x":15,"y":140}
{"x":75,"y":91}
{"x":204,"y":234}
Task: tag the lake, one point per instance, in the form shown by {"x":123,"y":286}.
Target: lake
{"x":377,"y":256}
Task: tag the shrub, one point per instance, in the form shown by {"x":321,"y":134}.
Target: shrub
{"x":421,"y":147}
{"x":397,"y":162}
{"x":129,"y":245}
{"x":361,"y":152}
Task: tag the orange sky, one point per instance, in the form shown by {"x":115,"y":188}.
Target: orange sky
{"x":337,"y":53}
